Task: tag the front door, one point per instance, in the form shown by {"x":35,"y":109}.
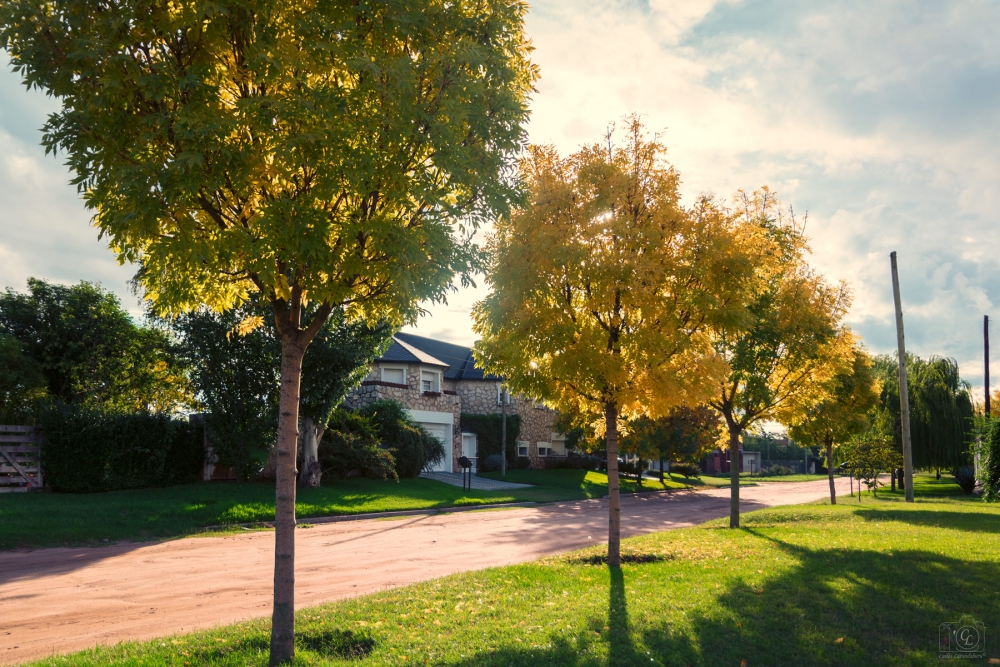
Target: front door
{"x":469,"y":447}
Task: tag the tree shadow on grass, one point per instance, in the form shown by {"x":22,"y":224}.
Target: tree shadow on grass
{"x":834,"y":607}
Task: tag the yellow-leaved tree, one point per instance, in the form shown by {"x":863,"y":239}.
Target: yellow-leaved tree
{"x":604,"y":289}
{"x":780,"y":359}
{"x":840,"y":411}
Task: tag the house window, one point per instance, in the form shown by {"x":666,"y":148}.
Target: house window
{"x":544,"y":449}
{"x":522,"y":448}
{"x":430,"y":381}
{"x":394,"y":374}
{"x":558,"y":445}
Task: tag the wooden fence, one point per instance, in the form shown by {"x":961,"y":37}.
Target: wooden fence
{"x":20,"y":458}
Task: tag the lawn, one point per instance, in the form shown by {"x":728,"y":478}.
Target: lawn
{"x":864,"y":585}
{"x":797,"y":477}
{"x":595,"y":484}
{"x":53,"y":519}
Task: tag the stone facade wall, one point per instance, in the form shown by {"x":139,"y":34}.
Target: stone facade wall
{"x":372,"y":389}
{"x":537,"y":421}
{"x":470,"y":396}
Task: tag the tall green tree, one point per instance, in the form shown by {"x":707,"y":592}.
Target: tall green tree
{"x":603,"y":288}
{"x":840,"y":410}
{"x":792,"y":343}
{"x":236,"y":380}
{"x":336,"y":362}
{"x":322,"y":155}
{"x":91,"y":351}
{"x":941,"y":410}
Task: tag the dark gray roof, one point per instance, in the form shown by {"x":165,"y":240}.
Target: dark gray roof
{"x":417,"y":349}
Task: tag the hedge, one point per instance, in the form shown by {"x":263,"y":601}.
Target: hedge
{"x":86,"y":450}
{"x":488,"y":434}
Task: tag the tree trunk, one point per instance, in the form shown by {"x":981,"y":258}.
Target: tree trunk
{"x":661,"y":471}
{"x":310,"y":475}
{"x":283,"y":614}
{"x":614,"y":499}
{"x":829,"y":472}
{"x":734,"y":477}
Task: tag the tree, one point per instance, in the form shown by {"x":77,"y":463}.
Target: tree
{"x":22,"y":383}
{"x":941,"y":410}
{"x":841,"y":410}
{"x":336,"y":362}
{"x":91,"y":351}
{"x":684,"y":435}
{"x":236,"y":379}
{"x":322,"y":156}
{"x":603,"y":287}
{"x":870,"y":456}
{"x":784,"y":352}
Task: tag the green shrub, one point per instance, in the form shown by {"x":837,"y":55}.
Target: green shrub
{"x":776,"y":471}
{"x":350,"y":448}
{"x":487,"y":428}
{"x":688,"y":470}
{"x":87,"y":450}
{"x":989,"y":464}
{"x":413,"y":448}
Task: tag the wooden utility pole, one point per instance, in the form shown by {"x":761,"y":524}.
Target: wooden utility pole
{"x":986,"y":361}
{"x":503,"y":431}
{"x":904,"y":391}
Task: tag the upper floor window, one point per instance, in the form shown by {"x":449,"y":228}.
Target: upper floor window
{"x":430,"y":381}
{"x":395,"y":375}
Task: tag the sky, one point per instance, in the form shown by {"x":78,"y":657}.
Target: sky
{"x":878,"y":120}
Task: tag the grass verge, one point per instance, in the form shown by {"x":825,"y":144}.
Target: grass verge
{"x":593,"y":484}
{"x":849,"y":585}
{"x":55,"y":519}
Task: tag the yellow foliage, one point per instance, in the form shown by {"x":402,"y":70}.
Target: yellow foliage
{"x":604,"y":287}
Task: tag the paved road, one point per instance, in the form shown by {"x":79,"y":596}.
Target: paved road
{"x":61,"y":600}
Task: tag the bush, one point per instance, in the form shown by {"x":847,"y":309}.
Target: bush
{"x":574,"y":461}
{"x":487,"y":428}
{"x":414,"y":448}
{"x":966,"y":478}
{"x":350,"y":448}
{"x":491,"y":463}
{"x":521,"y":463}
{"x":777,"y":471}
{"x":989,"y":470}
{"x":87,"y":450}
{"x":688,"y":470}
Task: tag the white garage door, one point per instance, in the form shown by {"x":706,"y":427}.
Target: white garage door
{"x":442,"y":433}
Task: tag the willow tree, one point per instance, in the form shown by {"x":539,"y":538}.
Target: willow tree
{"x":324,"y":155}
{"x":788,"y":347}
{"x":941,"y":409}
{"x":603,"y":289}
{"x":840,"y":410}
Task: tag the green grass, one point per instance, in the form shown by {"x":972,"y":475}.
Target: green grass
{"x":786,"y":478}
{"x":594,"y":484}
{"x":54,"y":519}
{"x":814,"y":584}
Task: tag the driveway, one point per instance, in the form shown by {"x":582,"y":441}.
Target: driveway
{"x":61,"y":600}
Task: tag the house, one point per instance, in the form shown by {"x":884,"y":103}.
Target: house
{"x":437,"y":382}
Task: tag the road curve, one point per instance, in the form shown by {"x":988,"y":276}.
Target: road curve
{"x":61,"y":600}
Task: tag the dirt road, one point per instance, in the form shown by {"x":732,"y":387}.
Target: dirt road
{"x":60,"y":600}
